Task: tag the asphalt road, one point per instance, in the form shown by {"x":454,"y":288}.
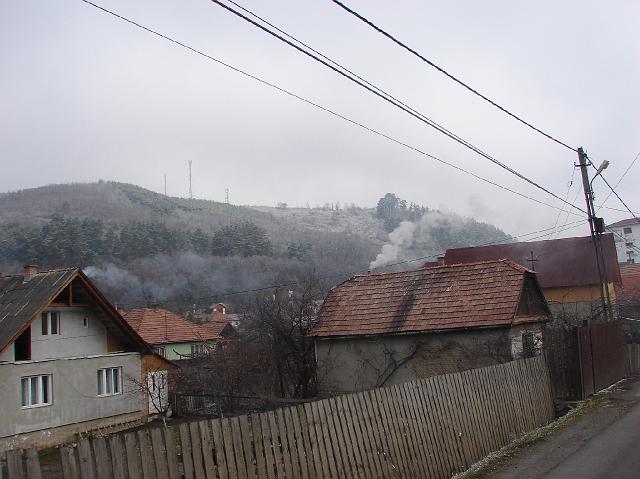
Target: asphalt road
{"x":603,"y":443}
{"x":614,"y":453}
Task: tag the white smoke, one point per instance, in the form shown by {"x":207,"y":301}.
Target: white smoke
{"x":399,"y":239}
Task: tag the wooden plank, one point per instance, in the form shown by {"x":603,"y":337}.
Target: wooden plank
{"x":464,"y":436}
{"x":380,"y":440}
{"x":498,"y":396}
{"x":426,"y":414}
{"x":159,"y":453}
{"x":314,"y":442}
{"x":172,"y":454}
{"x":146,"y":455}
{"x":185,"y":451}
{"x":355,"y":440}
{"x":284,"y":443}
{"x":117,"y":457}
{"x":276,"y":444}
{"x":227,"y":437}
{"x":69,"y":463}
{"x":207,"y":450}
{"x":342,"y":464}
{"x":241,"y":461}
{"x":440,"y":401}
{"x":416,"y":425}
{"x":196,"y":451}
{"x":103,"y":459}
{"x":294,"y":441}
{"x":134,"y":464}
{"x":269,"y":453}
{"x":347,"y":442}
{"x":302,"y":442}
{"x":425,"y":430}
{"x":221,"y":460}
{"x":325,"y":424}
{"x":473,"y":399}
{"x":87,"y":467}
{"x":377,"y":462}
{"x":33,"y":464}
{"x":516,"y":406}
{"x":389,"y":430}
{"x":408,"y":429}
{"x":247,"y":446}
{"x":366,"y":465}
{"x":15,"y":467}
{"x":258,"y":447}
{"x":475,"y":439}
{"x":489,"y":421}
{"x":326,"y":456}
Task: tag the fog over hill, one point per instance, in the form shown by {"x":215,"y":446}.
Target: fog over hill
{"x":143,"y":247}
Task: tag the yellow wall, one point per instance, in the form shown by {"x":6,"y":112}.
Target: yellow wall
{"x":576,"y":294}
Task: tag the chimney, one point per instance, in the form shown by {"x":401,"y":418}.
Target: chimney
{"x":29,"y":270}
{"x":440,"y":260}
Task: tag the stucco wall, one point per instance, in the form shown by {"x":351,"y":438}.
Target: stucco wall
{"x":74,"y":339}
{"x":177,"y":351}
{"x":574,"y":305}
{"x":355,"y":364}
{"x":74,"y":387}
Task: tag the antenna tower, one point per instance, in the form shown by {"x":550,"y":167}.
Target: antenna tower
{"x":190,"y":190}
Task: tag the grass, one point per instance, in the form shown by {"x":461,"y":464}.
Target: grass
{"x":489,"y":463}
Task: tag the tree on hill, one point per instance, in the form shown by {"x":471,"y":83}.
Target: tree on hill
{"x":244,"y":239}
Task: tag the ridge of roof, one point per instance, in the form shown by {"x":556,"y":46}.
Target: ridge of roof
{"x":48,"y":271}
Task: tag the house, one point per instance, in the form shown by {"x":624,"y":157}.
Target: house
{"x":69,"y":363}
{"x":387,"y":328}
{"x":566,"y":269}
{"x":627,"y":238}
{"x":214,"y":313}
{"x":174,"y":337}
{"x":628,"y":294}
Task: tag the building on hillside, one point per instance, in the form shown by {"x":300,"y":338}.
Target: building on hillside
{"x":214,"y":313}
{"x":566,"y":269}
{"x":627,"y":238}
{"x":174,"y":337}
{"x":628,"y":295}
{"x":382,"y":329}
{"x":69,"y":363}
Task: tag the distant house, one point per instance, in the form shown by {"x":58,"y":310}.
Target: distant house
{"x":69,"y":363}
{"x":389,"y":328}
{"x":174,"y":337}
{"x":566,"y":269}
{"x":212,"y":314}
{"x":627,"y":238}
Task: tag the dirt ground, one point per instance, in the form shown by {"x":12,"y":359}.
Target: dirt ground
{"x":546,"y":455}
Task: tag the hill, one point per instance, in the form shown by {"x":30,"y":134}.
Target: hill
{"x":143,"y":247}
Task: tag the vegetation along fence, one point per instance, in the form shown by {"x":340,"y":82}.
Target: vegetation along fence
{"x":427,"y":428}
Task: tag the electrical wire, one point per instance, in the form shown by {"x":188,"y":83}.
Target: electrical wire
{"x":620,"y":180}
{"x":449,"y":75}
{"x":620,"y":199}
{"x":320,"y":107}
{"x":390,"y":100}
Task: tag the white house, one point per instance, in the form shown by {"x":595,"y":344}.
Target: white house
{"x":69,"y":363}
{"x":627,"y":237}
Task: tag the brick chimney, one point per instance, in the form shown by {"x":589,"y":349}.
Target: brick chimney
{"x":29,"y":270}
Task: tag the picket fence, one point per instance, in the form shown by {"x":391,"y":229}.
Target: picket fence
{"x":429,"y":428}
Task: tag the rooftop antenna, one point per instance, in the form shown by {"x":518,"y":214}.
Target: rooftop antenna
{"x":190,"y":190}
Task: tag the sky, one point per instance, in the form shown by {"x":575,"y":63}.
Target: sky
{"x":86,"y":96}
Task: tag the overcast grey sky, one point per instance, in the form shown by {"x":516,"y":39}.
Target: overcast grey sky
{"x":86,"y":97}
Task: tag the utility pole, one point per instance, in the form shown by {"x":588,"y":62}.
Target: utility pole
{"x":596,"y":227}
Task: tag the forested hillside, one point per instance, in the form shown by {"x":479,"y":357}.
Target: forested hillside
{"x":143,"y":247}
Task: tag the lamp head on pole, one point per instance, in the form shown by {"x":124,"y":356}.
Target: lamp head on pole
{"x":603,"y":166}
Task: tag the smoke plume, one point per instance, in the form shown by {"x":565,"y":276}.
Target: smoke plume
{"x":399,"y":240}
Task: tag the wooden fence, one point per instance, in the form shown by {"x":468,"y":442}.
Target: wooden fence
{"x":632,"y":358}
{"x":428,"y":428}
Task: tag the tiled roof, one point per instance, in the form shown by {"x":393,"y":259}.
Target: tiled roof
{"x":566,"y":262}
{"x":161,"y":326}
{"x":21,"y":298}
{"x":630,"y":290}
{"x":483,"y":294}
{"x":627,"y":222}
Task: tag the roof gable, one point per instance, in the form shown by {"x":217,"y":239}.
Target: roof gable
{"x":566,"y":262}
{"x":483,"y":294}
{"x":22,"y":298}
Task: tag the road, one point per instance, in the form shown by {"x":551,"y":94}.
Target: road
{"x":604,"y":443}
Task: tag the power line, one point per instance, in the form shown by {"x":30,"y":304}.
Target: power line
{"x":620,"y":199}
{"x":620,"y":179}
{"x":390,"y":100}
{"x":320,"y":107}
{"x":449,"y":75}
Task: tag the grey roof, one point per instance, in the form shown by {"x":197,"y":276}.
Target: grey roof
{"x":21,"y":298}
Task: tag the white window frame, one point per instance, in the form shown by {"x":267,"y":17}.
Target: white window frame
{"x":109,"y":381}
{"x":50,"y":319}
{"x":198,"y":349}
{"x":161,"y":351}
{"x":32,"y":394}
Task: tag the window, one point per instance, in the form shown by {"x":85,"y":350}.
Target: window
{"x":50,"y":323}
{"x":36,"y":390}
{"x":627,"y":231}
{"x":109,"y":381}
{"x":528,"y":345}
{"x":198,"y":349}
{"x":85,"y":322}
{"x":161,"y":351}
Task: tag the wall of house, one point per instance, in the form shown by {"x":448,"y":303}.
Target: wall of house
{"x":516,"y":339}
{"x":576,"y":304}
{"x":356,"y":364}
{"x":625,"y":243}
{"x":75,"y":396}
{"x":177,"y":351}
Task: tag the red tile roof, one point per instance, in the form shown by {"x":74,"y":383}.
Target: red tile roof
{"x":566,"y":262}
{"x":630,"y":290}
{"x":161,"y":326}
{"x":483,"y":294}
